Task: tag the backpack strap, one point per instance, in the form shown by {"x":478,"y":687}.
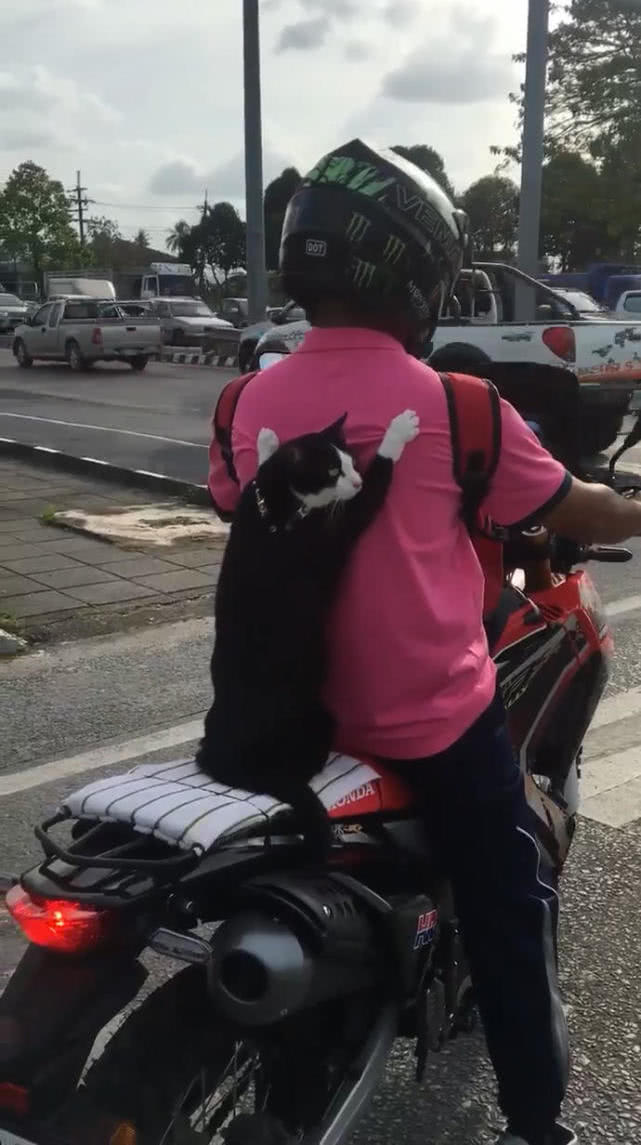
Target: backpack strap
{"x":224,"y":417}
{"x":475,"y":428}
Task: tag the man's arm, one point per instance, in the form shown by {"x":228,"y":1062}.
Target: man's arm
{"x":223,"y":490}
{"x":594,"y":513}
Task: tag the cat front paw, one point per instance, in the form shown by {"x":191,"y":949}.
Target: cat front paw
{"x":400,"y":431}
{"x":266,"y":444}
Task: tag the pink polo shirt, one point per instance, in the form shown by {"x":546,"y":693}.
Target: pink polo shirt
{"x":409,"y":664}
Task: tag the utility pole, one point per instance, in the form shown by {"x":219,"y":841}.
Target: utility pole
{"x":256,"y":273}
{"x":82,"y":202}
{"x":532,"y":160}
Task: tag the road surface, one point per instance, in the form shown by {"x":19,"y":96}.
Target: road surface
{"x":89,"y":709}
{"x":159,"y":420}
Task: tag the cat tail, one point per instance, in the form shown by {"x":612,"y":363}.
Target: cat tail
{"x":314,"y":822}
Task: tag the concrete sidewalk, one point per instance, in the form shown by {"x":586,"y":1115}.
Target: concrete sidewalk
{"x":57,"y":583}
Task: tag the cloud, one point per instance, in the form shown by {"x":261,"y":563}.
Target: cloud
{"x":227,"y":181}
{"x":23,"y":139}
{"x":400,"y":12}
{"x":452,"y":67}
{"x":305,"y":36}
{"x":358,"y":50}
{"x":338,"y":9}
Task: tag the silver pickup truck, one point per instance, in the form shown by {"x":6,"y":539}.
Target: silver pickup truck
{"x":83,"y":331}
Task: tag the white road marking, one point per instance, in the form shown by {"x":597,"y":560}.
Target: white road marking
{"x":618,"y":707}
{"x":175,"y":736}
{"x":102,"y":429}
{"x":623,"y":606}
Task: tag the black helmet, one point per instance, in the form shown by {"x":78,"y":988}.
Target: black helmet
{"x":370,"y":228}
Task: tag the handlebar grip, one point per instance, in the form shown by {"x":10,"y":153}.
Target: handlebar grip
{"x":607,"y":555}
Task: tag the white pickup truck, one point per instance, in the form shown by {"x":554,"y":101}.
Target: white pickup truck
{"x":481,"y":324}
{"x":83,"y":331}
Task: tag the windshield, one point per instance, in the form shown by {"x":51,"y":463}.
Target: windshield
{"x":633,"y":304}
{"x":10,"y":300}
{"x":191,"y":310}
{"x":582,"y":302}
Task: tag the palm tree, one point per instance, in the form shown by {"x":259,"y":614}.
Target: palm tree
{"x":177,"y":237}
{"x":142,"y":239}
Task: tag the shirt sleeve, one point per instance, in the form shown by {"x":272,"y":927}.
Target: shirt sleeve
{"x":528,"y":481}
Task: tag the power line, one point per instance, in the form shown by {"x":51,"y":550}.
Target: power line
{"x":141,"y":206}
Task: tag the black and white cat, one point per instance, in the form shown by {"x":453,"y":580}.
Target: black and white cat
{"x":292,"y":534}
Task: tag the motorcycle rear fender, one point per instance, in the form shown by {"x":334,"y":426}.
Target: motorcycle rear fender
{"x":50,"y":1014}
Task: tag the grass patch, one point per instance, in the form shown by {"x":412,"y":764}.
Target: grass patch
{"x":9,"y":621}
{"x":48,"y":515}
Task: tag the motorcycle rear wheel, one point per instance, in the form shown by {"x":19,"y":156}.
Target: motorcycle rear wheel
{"x":173,"y":1074}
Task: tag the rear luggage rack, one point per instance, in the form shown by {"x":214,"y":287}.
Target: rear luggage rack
{"x":120,"y":857}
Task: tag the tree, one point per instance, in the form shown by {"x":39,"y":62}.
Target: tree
{"x":277,"y":196}
{"x":574,"y":212}
{"x":217,"y":242}
{"x":35,"y":219}
{"x":178,"y":238}
{"x":103,"y":235}
{"x":493,"y":206}
{"x":594,"y":75}
{"x":428,"y":160}
{"x":142,"y":240}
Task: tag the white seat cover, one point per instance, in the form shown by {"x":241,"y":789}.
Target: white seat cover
{"x":180,"y":805}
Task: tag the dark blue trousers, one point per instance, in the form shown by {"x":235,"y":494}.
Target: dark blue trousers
{"x":473,"y":800}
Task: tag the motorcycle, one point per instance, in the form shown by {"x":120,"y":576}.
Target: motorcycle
{"x":296,"y":976}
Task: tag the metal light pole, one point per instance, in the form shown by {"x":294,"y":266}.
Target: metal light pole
{"x":256,"y":273}
{"x":532,"y":161}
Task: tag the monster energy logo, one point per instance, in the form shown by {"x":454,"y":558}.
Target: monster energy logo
{"x":355,"y":174}
{"x":357,"y":227}
{"x":363,"y":273}
{"x":394,"y":248}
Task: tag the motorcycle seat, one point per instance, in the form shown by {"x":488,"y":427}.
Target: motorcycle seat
{"x":179,"y":804}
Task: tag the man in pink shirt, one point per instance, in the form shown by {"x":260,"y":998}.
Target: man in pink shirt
{"x":372,"y":248}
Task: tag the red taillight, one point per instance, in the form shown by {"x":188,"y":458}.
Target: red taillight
{"x":64,"y":926}
{"x":14,"y":1099}
{"x":561,"y":341}
{"x":96,"y":336}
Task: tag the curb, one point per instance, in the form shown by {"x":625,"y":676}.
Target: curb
{"x":198,"y":358}
{"x":104,"y":470}
{"x":10,"y":644}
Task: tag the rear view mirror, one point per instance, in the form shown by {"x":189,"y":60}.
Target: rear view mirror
{"x":269,"y":358}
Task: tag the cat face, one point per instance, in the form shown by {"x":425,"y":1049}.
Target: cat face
{"x":315,"y":468}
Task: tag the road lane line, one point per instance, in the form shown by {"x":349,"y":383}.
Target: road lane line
{"x":175,"y":736}
{"x":103,"y":429}
{"x":618,"y":707}
{"x":624,"y":605}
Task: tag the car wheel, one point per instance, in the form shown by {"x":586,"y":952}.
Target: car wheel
{"x":74,"y":358}
{"x":138,"y":363}
{"x":23,"y":359}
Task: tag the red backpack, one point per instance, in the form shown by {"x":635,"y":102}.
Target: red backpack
{"x":475,"y":427}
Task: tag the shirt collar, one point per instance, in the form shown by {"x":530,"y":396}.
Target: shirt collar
{"x":322,"y":338}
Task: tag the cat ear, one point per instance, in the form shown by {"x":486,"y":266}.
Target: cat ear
{"x":335,"y":431}
{"x":266,"y":444}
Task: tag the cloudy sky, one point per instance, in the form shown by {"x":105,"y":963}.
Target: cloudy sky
{"x":145,"y":96}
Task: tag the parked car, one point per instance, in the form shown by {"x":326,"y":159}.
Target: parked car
{"x":584,"y":303}
{"x":251,"y":335}
{"x":83,"y":331}
{"x":186,"y":321}
{"x":480,"y":326}
{"x":629,"y":305}
{"x":13,"y":311}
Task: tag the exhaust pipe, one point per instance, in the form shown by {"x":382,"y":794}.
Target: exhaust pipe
{"x":265,"y":967}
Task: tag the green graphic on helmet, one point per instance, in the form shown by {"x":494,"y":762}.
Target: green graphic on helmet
{"x":354,"y":174}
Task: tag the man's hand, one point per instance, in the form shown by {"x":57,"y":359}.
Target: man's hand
{"x":595,"y":514}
